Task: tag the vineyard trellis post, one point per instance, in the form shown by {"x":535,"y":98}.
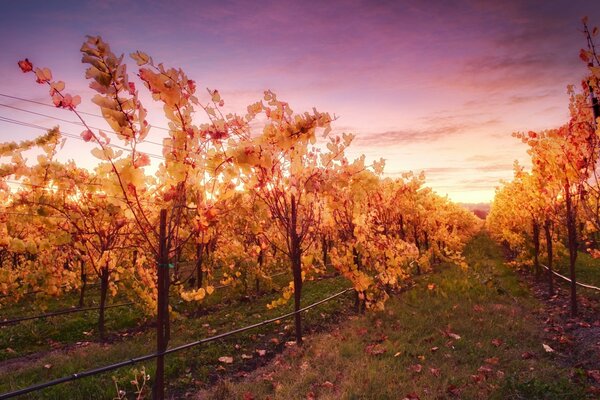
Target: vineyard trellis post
{"x":162,"y":335}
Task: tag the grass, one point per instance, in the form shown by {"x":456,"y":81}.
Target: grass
{"x":32,"y":336}
{"x":38,"y":335}
{"x":195,"y":367}
{"x":587,"y":270}
{"x":413,"y":347}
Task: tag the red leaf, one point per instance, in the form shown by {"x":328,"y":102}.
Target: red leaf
{"x":453,"y":390}
{"x":361,"y":331}
{"x":497,"y":342}
{"x":327,"y":384}
{"x":87,"y":135}
{"x":485,"y":370}
{"x":25,"y":65}
{"x":416,"y":368}
{"x":375,"y":349}
{"x":527,"y":355}
{"x":594,"y":374}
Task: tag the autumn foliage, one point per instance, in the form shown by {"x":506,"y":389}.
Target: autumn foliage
{"x":558,"y":198}
{"x":246,"y":195}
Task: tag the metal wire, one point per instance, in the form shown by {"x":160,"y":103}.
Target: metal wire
{"x":61,"y":312}
{"x":136,"y":360}
{"x":569,"y":280}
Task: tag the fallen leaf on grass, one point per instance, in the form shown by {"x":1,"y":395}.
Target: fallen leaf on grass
{"x":435,"y":372}
{"x":381,"y":338}
{"x":564,"y":340}
{"x":497,"y":342}
{"x":547,"y":348}
{"x":492,"y":360}
{"x":397,"y":354}
{"x":593,"y":390}
{"x":416,"y":368}
{"x":450,"y":334}
{"x":527,"y":355}
{"x":375,"y":349}
{"x":261,"y":353}
{"x":327,"y":384}
{"x":248,"y":396}
{"x":453,"y":390}
{"x":485,"y":370}
{"x":47,"y":366}
{"x":226,"y":359}
{"x":246,"y":357}
{"x":434,"y":349}
{"x":594,"y":374}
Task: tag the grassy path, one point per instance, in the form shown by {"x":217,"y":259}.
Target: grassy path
{"x":473,"y":334}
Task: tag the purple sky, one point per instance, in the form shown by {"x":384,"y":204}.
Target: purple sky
{"x":428,"y":85}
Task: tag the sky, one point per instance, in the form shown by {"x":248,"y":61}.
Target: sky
{"x":434,"y":86}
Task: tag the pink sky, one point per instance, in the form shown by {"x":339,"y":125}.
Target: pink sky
{"x":436,"y":86}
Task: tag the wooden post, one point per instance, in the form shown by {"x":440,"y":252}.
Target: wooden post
{"x":83,"y":283}
{"x":572,"y":244}
{"x":296,"y":258}
{"x":548,"y":232}
{"x":104,"y":272}
{"x":536,"y":249}
{"x":162,"y":308}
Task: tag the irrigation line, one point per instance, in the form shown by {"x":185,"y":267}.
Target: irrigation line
{"x":62,"y":312}
{"x":569,"y":280}
{"x":136,"y":360}
{"x":88,"y":285}
{"x":269,"y":276}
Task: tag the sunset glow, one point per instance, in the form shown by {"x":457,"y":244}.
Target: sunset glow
{"x":428,"y":86}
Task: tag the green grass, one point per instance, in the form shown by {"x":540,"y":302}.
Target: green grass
{"x":225,"y":310}
{"x":587,"y":271}
{"x":29,"y":337}
{"x":487,"y":306}
{"x":341,"y":356}
{"x":32,"y":336}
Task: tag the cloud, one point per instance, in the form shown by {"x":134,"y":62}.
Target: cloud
{"x":383,"y":139}
{"x":437,"y":128}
